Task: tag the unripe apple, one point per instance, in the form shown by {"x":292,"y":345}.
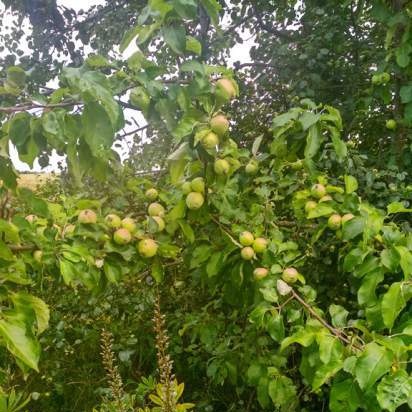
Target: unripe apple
{"x":31,"y":218}
{"x":38,"y":255}
{"x":334,"y":221}
{"x":326,"y":198}
{"x":140,"y":98}
{"x":252,"y":167}
{"x":151,"y":194}
{"x":186,"y":188}
{"x":347,"y":217}
{"x":260,"y":273}
{"x":298,"y":165}
{"x":391,"y":124}
{"x":246,"y":238}
{"x":221,"y":167}
{"x":160,"y":223}
{"x":113,"y":221}
{"x":87,"y":217}
{"x":385,"y":77}
{"x":122,"y":236}
{"x":310,"y":205}
{"x":198,"y":185}
{"x":194,"y":200}
{"x":226,"y":88}
{"x":129,"y":224}
{"x":247,"y":253}
{"x":210,"y":141}
{"x":147,"y":248}
{"x":376,"y":79}
{"x":290,"y":275}
{"x":260,"y":245}
{"x":156,"y":209}
{"x":219,"y":124}
{"x":318,"y":190}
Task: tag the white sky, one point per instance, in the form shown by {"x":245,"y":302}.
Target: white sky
{"x":239,"y":53}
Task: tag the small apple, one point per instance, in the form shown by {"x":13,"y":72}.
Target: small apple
{"x":347,"y":217}
{"x":160,"y":223}
{"x":186,"y":188}
{"x":376,"y":79}
{"x":219,"y":124}
{"x":260,"y":245}
{"x":290,"y":275}
{"x":247,"y":253}
{"x":194,"y":200}
{"x":221,"y":167}
{"x":140,"y":98}
{"x":31,"y":218}
{"x":147,"y":248}
{"x":113,"y":221}
{"x":38,"y":255}
{"x":122,"y":236}
{"x":310,"y":205}
{"x":298,"y":165}
{"x":260,"y":273}
{"x":210,"y":141}
{"x":87,"y":217}
{"x":318,"y":190}
{"x":156,"y":209}
{"x":252,"y":167}
{"x":198,"y":185}
{"x":129,"y":224}
{"x":391,"y":124}
{"x":334,"y":222}
{"x":246,"y":238}
{"x":151,"y":194}
{"x":226,"y":88}
{"x":385,"y":77}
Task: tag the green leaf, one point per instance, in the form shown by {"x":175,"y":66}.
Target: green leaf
{"x":403,"y":55}
{"x":308,"y":119}
{"x":353,"y":228}
{"x":393,"y":302}
{"x":275,"y":326}
{"x":175,"y":37}
{"x":406,"y":94}
{"x":5,"y":252}
{"x":405,"y":261}
{"x":98,"y":129}
{"x":344,"y":396}
{"x":128,"y":37}
{"x":351,"y":184}
{"x":187,"y":231}
{"x":255,"y":372}
{"x":366,"y":292}
{"x":390,"y":259}
{"x":325,"y":372}
{"x":193,"y":45}
{"x":19,"y":128}
{"x":212,"y":8}
{"x":20,"y":342}
{"x":178,"y":161}
{"x":157,"y":270}
{"x":339,"y":315}
{"x":394,"y":390}
{"x":340,"y":147}
{"x":321,"y":209}
{"x":282,"y":391}
{"x":373,"y":363}
{"x":24,"y":301}
{"x":304,"y":337}
{"x":16,"y":76}
{"x":397,"y":207}
{"x":313,"y":141}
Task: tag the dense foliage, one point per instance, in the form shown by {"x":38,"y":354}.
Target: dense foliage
{"x":256,"y":246}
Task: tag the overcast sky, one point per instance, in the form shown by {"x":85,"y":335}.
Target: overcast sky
{"x":239,"y":53}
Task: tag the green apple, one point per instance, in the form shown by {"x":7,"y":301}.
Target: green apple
{"x":318,"y":190}
{"x":186,"y":188}
{"x":38,"y":255}
{"x":335,"y":221}
{"x":246,"y":238}
{"x":147,"y":248}
{"x":194,"y":200}
{"x":260,"y":245}
{"x":210,"y":141}
{"x":260,"y":273}
{"x":346,"y":217}
{"x":87,"y":217}
{"x":226,"y":88}
{"x":129,"y":224}
{"x":113,"y":221}
{"x":219,"y":124}
{"x":151,"y":194}
{"x":310,"y":205}
{"x":391,"y":124}
{"x":252,"y":167}
{"x":156,"y":209}
{"x":247,"y":253}
{"x":290,"y":275}
{"x":326,"y":198}
{"x":198,"y":185}
{"x":160,"y":223}
{"x":221,"y":167}
{"x":122,"y":236}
